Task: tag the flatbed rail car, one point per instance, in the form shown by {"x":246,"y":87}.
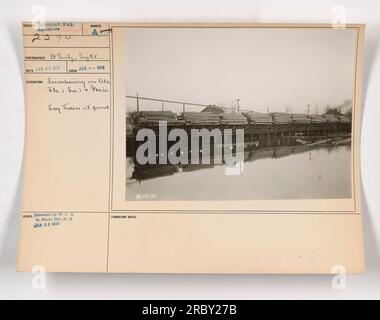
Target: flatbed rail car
{"x":249,"y":120}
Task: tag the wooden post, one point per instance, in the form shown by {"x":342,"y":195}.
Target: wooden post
{"x":137,"y":102}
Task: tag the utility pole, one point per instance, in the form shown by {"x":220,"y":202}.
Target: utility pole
{"x":137,"y":101}
{"x":162,"y":106}
{"x":308,"y":109}
{"x":238,"y":105}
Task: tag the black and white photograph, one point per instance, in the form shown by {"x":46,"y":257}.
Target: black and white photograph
{"x":239,"y":113}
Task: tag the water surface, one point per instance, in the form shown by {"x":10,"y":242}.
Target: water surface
{"x":286,"y":172}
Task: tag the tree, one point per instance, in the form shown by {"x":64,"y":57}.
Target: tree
{"x":343,"y":108}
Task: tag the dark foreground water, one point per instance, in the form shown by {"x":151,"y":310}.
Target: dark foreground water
{"x":290,"y":172}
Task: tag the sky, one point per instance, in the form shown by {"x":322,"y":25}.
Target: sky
{"x":266,"y":68}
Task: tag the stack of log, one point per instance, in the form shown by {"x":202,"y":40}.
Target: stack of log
{"x":316,"y":118}
{"x":258,"y":118}
{"x":300,"y":118}
{"x":200,"y":118}
{"x":152,"y":118}
{"x":232,"y":119}
{"x":281,"y":118}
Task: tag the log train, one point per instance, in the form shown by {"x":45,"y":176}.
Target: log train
{"x":209,"y":119}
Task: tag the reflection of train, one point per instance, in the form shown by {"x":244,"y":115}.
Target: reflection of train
{"x":184,"y":119}
{"x":266,"y":149}
{"x":142,"y":172}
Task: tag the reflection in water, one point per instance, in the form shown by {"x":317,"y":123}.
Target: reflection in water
{"x":280,"y":169}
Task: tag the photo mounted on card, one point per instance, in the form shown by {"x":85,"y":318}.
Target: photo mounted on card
{"x":192,"y":148}
{"x":234,"y":118}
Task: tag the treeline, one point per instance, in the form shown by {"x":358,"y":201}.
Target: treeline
{"x":344,"y":108}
